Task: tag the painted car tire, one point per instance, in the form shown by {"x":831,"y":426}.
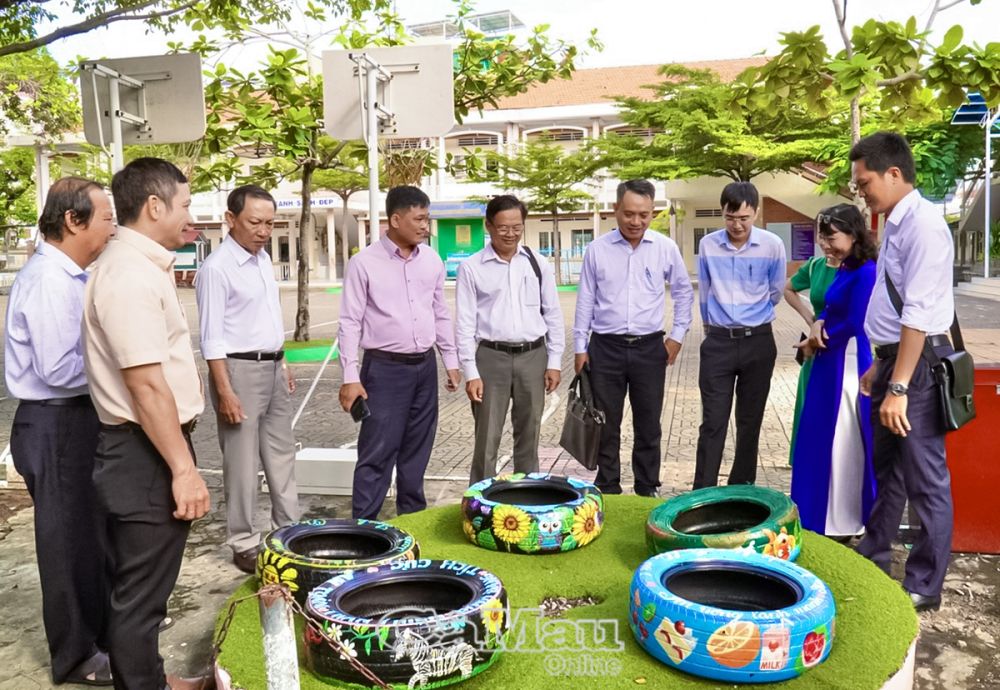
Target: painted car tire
{"x":287,"y":555}
{"x":740,"y":516}
{"x":532,"y":513}
{"x":388,"y":615}
{"x":777,"y":624}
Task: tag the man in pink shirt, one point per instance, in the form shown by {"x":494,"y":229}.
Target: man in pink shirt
{"x":393,"y":307}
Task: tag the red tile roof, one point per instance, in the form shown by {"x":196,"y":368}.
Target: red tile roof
{"x":599,"y":85}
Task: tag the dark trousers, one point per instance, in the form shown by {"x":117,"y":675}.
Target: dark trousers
{"x":640,"y":369}
{"x":403,"y":399}
{"x":53,"y":449}
{"x":743,"y":365}
{"x":134,"y":484}
{"x":911,"y":468}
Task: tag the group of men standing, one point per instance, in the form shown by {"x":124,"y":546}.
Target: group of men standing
{"x":109,"y":394}
{"x":109,"y":388}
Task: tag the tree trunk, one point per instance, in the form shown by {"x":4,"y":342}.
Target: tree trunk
{"x":302,"y":256}
{"x":345,"y":250}
{"x":855,"y":120}
{"x":557,"y":247}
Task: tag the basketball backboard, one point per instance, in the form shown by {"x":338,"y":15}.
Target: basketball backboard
{"x":420,"y":95}
{"x":172,"y":102}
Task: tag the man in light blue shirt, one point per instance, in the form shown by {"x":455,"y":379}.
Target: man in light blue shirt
{"x":54,"y":437}
{"x":620,"y":308}
{"x":509,"y":331}
{"x":741,"y":275}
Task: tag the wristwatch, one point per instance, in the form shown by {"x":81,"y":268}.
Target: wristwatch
{"x":898,"y":389}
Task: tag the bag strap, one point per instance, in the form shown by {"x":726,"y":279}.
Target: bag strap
{"x":581,"y":384}
{"x":897,"y":302}
{"x":538,"y":274}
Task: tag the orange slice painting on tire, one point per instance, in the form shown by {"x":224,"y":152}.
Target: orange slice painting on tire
{"x":735,"y":644}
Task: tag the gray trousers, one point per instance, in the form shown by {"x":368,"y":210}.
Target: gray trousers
{"x":264,"y":438}
{"x":516,"y":381}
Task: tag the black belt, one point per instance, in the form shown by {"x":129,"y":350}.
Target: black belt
{"x":75,"y":401}
{"x":258,"y":356}
{"x":131,"y":427}
{"x":401,"y":357}
{"x":737,"y":332}
{"x":892,"y":349}
{"x":629,"y":339}
{"x":513,"y":348}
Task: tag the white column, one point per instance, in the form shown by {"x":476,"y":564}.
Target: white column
{"x":331,"y":244}
{"x":42,"y":181}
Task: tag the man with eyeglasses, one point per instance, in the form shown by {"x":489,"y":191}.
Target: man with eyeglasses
{"x":741,"y":277}
{"x":618,"y":332}
{"x":510,"y":338}
{"x":909,"y":453}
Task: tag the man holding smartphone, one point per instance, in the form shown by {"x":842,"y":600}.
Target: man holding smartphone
{"x":393,"y":307}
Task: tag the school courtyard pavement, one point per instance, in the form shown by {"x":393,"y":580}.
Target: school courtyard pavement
{"x":958,"y":645}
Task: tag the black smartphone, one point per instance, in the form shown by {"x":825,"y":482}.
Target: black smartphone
{"x":359,"y":409}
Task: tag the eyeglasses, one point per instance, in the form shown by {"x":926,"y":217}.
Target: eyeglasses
{"x":829,"y":219}
{"x":509,"y":229}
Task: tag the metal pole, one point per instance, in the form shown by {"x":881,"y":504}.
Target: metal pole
{"x":117,"y":151}
{"x":281,"y":659}
{"x":991,"y":118}
{"x":371,"y":74}
{"x":42,"y":181}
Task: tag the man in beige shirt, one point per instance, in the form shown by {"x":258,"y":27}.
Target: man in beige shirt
{"x":147,"y":391}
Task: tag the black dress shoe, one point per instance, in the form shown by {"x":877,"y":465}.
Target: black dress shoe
{"x":246,"y":560}
{"x":922,"y":602}
{"x":95,"y":670}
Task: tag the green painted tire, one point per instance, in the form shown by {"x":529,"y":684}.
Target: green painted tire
{"x":741,"y":516}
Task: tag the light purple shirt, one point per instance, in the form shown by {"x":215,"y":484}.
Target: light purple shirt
{"x":918,"y":254}
{"x":396,"y":304}
{"x":239,"y":308}
{"x":503,"y":301}
{"x":43,"y":355}
{"x":622,"y":290}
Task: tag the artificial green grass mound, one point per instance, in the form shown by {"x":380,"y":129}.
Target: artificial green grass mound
{"x":874,"y":628}
{"x":297,"y":351}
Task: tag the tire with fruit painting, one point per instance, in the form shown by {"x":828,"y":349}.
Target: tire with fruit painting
{"x":532,"y":513}
{"x":307,"y":553}
{"x":414,"y":623}
{"x":731,"y":616}
{"x":740,"y":516}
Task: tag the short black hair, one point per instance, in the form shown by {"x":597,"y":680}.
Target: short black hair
{"x":237,"y":198}
{"x":504,"y":202}
{"x":735,"y":194}
{"x":641,"y":187}
{"x":884,"y":150}
{"x":67,"y":194}
{"x":847,"y":218}
{"x":142,"y":178}
{"x":403,"y":198}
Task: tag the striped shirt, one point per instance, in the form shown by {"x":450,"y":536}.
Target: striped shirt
{"x":740,"y":287}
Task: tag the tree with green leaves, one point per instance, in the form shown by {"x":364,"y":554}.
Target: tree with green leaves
{"x":888,"y":66}
{"x":345,"y":180}
{"x":698,"y":130}
{"x":17,"y":187}
{"x":37,"y":96}
{"x":549,"y":176}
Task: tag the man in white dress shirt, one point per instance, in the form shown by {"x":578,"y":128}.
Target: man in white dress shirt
{"x":510,"y":338}
{"x":251,"y":386}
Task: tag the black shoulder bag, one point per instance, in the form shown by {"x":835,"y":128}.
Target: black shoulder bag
{"x":538,"y":274}
{"x":954,"y":374}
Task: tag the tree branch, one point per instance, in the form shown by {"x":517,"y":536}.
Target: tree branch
{"x":841,"y":12}
{"x":97,"y":21}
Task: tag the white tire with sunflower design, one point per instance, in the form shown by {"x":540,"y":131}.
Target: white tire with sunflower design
{"x":736,"y":617}
{"x":532,"y":513}
{"x":415,"y":623}
{"x":307,"y":553}
{"x":739,"y":516}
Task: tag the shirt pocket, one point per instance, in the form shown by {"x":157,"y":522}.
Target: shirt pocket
{"x":530,"y":291}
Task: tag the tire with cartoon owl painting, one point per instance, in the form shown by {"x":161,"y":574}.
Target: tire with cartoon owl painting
{"x":304,"y":554}
{"x":732,"y":616}
{"x":532,"y":513}
{"x":740,"y":516}
{"x":414,"y":623}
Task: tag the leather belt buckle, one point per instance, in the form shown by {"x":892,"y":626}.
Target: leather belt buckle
{"x":632,"y":339}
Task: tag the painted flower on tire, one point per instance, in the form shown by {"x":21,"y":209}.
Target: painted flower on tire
{"x":511,"y":524}
{"x":586,"y":522}
{"x":493,"y":619}
{"x":277,"y":570}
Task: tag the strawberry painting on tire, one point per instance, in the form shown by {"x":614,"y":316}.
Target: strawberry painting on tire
{"x":813,"y":646}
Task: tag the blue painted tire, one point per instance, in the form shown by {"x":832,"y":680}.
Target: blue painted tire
{"x":409,"y":622}
{"x":532,"y":513}
{"x":304,"y":554}
{"x":740,"y":516}
{"x":731,"y":616}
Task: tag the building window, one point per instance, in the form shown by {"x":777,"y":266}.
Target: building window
{"x":545,"y":243}
{"x":708,"y":213}
{"x":579,"y":239}
{"x":700,"y":233}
